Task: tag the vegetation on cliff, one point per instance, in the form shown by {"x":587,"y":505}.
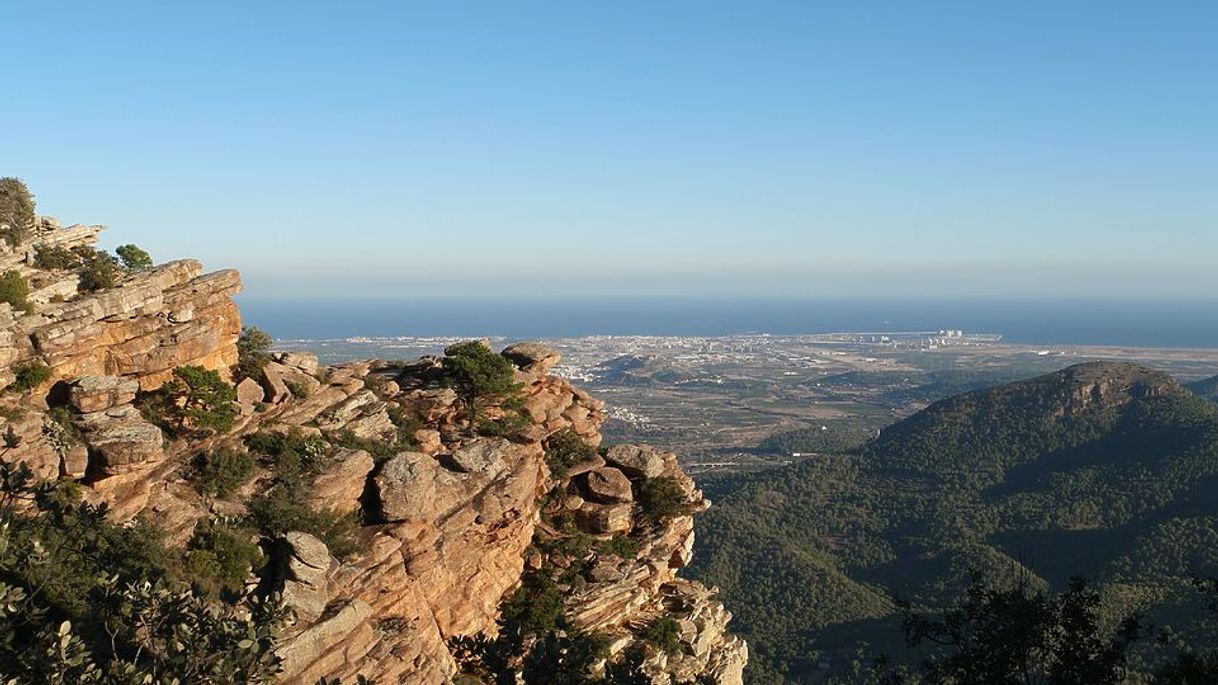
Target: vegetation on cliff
{"x":16,"y":210}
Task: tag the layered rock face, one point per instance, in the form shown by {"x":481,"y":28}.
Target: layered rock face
{"x":151,"y":322}
{"x":453,"y":521}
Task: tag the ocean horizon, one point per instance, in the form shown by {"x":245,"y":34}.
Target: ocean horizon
{"x":1165,"y":323}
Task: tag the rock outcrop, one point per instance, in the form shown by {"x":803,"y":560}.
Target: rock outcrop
{"x":453,"y":522}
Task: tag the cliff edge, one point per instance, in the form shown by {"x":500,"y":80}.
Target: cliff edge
{"x":477,"y":545}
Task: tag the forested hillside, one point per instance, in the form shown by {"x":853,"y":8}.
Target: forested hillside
{"x":1108,"y":471}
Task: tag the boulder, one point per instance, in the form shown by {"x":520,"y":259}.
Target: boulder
{"x":301,"y":361}
{"x":249,"y":392}
{"x":305,"y":586}
{"x":406,"y":487}
{"x":281,"y":382}
{"x":532,"y":356}
{"x":120,"y":439}
{"x":428,"y":440}
{"x":607,"y":485}
{"x":89,"y":394}
{"x":605,"y":518}
{"x":341,"y":485}
{"x":639,"y":461}
{"x":479,"y":457}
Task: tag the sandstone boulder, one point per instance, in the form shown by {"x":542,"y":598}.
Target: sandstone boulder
{"x":120,"y":439}
{"x":89,"y":394}
{"x":406,"y":487}
{"x":341,"y":485}
{"x":301,"y":361}
{"x":607,"y":485}
{"x":605,"y":518}
{"x":306,"y":584}
{"x":249,"y":392}
{"x":479,"y":457}
{"x":639,"y":461}
{"x":532,"y":356}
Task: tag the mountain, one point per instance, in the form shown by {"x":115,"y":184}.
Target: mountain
{"x":445,"y":518}
{"x":1104,"y":470}
{"x":1207,"y":388}
{"x":646,"y":370}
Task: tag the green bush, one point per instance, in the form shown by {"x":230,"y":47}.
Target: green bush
{"x":284,"y":509}
{"x":661,"y":499}
{"x":196,"y":402}
{"x":252,"y":352}
{"x":565,"y":449}
{"x":664,"y":634}
{"x":15,"y":291}
{"x":291,"y":455}
{"x":619,"y":546}
{"x":16,"y":210}
{"x":535,"y":606}
{"x":219,"y":558}
{"x":511,"y":423}
{"x":84,"y":600}
{"x":29,"y":375}
{"x":98,"y":272}
{"x":55,"y":257}
{"x":220,"y":472}
{"x":133,"y":258}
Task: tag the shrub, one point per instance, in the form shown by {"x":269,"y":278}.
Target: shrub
{"x":196,"y":401}
{"x":55,"y":257}
{"x":507,"y":425}
{"x":405,"y":424}
{"x":29,"y":375}
{"x":59,"y":431}
{"x":565,"y":449}
{"x":619,"y":546}
{"x":664,"y":634}
{"x":98,"y":272}
{"x":16,"y":210}
{"x":298,"y":390}
{"x":221,"y":471}
{"x":292,"y":454}
{"x":15,"y":291}
{"x":252,"y":352}
{"x":477,"y":374}
{"x":133,"y":258}
{"x":284,"y":509}
{"x":661,"y":499}
{"x":85,"y":600}
{"x":219,"y":558}
{"x":535,"y":606}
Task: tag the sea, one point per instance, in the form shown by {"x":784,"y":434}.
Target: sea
{"x":1178,"y":323}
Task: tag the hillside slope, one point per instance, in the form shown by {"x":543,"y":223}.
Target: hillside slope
{"x":1105,"y":470}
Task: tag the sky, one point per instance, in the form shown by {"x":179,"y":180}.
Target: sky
{"x":409,"y":149}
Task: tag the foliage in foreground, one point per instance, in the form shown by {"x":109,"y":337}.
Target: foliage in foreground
{"x":83,"y":600}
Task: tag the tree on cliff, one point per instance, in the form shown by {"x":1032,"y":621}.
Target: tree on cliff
{"x":253,"y":352}
{"x":133,"y":257}
{"x":478,"y":374}
{"x":16,"y":210}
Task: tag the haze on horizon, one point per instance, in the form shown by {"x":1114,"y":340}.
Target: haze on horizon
{"x":807,"y":149}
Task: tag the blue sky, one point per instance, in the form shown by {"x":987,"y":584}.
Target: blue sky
{"x":755,"y":148}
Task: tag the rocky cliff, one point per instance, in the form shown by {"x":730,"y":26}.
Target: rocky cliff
{"x":456,"y":525}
